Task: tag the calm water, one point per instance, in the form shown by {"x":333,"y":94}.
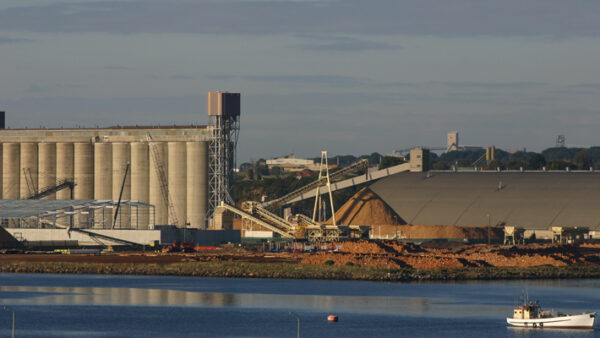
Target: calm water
{"x":139,"y":306}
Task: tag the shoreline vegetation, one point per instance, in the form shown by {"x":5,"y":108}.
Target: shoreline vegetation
{"x":304,"y":271}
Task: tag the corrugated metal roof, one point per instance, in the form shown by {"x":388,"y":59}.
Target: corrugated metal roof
{"x":28,"y":208}
{"x":535,"y":200}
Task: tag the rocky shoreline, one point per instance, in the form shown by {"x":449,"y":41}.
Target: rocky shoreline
{"x":303,"y":271}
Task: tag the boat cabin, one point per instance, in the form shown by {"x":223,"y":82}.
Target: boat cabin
{"x":531,"y":311}
{"x":526,"y":312}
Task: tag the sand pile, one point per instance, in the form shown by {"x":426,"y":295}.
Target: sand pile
{"x":366,"y":208}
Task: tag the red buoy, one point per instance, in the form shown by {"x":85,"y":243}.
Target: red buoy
{"x":332,"y":318}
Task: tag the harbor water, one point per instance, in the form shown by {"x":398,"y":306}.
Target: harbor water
{"x":48,"y":305}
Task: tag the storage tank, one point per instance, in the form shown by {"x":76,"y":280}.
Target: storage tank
{"x":121,"y":156}
{"x":103,"y":183}
{"x":29,"y":170}
{"x":64,"y":168}
{"x":10,"y":169}
{"x":139,"y":183}
{"x":47,"y":168}
{"x":177,"y":181}
{"x":156,"y":195}
{"x":83,"y":170}
{"x":197,"y":183}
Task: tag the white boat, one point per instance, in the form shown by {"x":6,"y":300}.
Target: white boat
{"x":531,"y":315}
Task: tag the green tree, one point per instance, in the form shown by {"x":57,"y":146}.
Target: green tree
{"x":582,"y":160}
{"x":276,"y":171}
{"x":515,"y":164}
{"x":493,"y":165}
{"x":560,"y":165}
{"x":536,"y":162}
{"x":390,"y":161}
{"x":439,"y":165}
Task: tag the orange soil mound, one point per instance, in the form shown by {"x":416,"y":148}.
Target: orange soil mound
{"x":435,"y":231}
{"x":450,"y":231}
{"x":366,"y":208}
{"x":362,"y":247}
{"x":393,"y":254}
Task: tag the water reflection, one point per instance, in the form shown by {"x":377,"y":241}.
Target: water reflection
{"x":43,"y":295}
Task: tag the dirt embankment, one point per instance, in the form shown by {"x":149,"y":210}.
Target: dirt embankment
{"x":395,"y":255}
{"x":367,"y":260}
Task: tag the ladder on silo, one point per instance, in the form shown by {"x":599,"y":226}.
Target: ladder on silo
{"x":162,"y":179}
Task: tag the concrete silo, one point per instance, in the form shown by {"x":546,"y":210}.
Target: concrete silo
{"x":156,"y":195}
{"x":197,"y":183}
{"x":103,"y":182}
{"x":177,"y":178}
{"x":121,"y":156}
{"x":47,"y":167}
{"x":64,"y":167}
{"x":28,"y":169}
{"x":139,"y":183}
{"x":83,"y":171}
{"x":11,"y":181}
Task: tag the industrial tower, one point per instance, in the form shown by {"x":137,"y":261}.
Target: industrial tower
{"x":223,"y":108}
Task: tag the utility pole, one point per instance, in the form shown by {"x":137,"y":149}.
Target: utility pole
{"x":13,"y":321}
{"x":291,"y":314}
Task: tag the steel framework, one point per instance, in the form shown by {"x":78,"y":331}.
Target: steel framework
{"x":221,"y":159}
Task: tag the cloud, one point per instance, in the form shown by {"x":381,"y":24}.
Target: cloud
{"x":587,"y":85}
{"x":344,"y":44}
{"x":181,"y":77}
{"x":5,"y":40}
{"x":115,"y":67}
{"x":488,"y":85}
{"x":324,"y":80}
{"x":548,"y":18}
{"x":37,"y":88}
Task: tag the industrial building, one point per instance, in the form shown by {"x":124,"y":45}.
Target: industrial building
{"x":96,"y":160}
{"x":178,"y":173}
{"x":534,"y":200}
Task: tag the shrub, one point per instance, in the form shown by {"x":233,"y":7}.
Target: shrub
{"x":329,"y":262}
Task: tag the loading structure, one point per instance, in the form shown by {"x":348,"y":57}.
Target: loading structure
{"x":302,"y":227}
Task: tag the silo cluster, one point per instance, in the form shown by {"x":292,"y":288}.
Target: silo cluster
{"x":98,"y":169}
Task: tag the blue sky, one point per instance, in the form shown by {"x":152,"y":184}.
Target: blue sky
{"x":351,"y":77}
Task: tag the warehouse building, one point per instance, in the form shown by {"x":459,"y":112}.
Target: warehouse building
{"x":531,"y":200}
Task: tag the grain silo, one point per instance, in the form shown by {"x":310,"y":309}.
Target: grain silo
{"x":163,"y":169}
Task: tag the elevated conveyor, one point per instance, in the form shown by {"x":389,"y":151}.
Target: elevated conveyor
{"x":369,"y":176}
{"x":311,"y":187}
{"x":255,"y":209}
{"x":284,"y":232}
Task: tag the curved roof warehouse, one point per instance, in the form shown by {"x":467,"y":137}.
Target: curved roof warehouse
{"x":533,"y":200}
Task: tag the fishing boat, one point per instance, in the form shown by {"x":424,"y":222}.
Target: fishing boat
{"x":531,"y":315}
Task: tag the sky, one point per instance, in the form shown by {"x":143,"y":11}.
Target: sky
{"x":349,"y":77}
